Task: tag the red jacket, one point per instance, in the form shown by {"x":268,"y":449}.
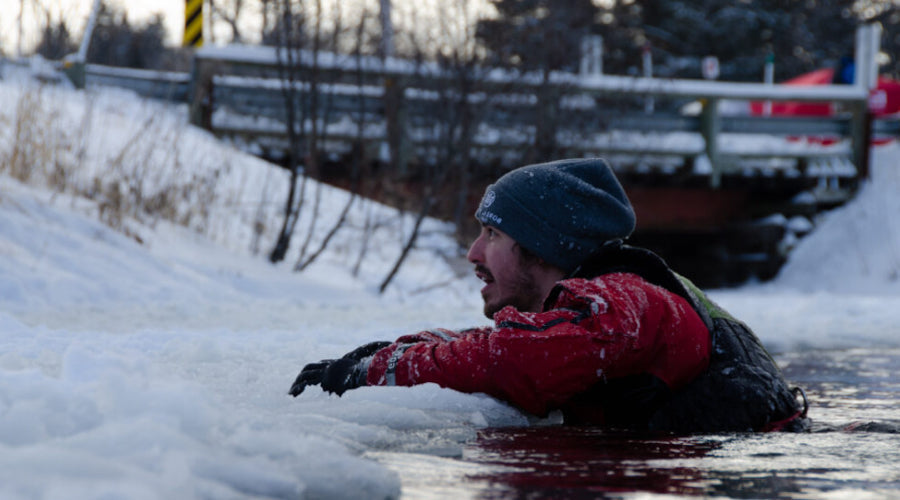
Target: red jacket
{"x":605,"y":328}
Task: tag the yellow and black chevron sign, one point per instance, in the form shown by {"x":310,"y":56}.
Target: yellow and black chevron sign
{"x":193,"y":23}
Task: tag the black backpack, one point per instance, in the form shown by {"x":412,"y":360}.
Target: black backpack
{"x":742,"y":390}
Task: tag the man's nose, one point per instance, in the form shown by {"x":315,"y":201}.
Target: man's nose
{"x":474,"y":255}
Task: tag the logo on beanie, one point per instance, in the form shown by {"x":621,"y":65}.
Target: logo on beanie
{"x":489,"y":199}
{"x":485,"y":215}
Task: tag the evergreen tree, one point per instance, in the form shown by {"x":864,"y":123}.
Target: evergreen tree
{"x":55,"y":42}
{"x":818,"y":34}
{"x":537,"y":34}
{"x":621,"y":25}
{"x":802,"y":35}
{"x":116,"y":42}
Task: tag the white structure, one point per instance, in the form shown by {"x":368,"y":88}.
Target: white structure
{"x":591,"y":55}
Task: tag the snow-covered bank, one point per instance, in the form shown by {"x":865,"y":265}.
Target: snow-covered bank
{"x":159,"y":368}
{"x":841,"y":286}
{"x":152,"y":362}
{"x":140,"y":163}
{"x":855,"y":248}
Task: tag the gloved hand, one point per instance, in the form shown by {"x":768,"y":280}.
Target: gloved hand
{"x":366,"y":350}
{"x":343,"y":375}
{"x":311,"y":374}
{"x":337,"y":375}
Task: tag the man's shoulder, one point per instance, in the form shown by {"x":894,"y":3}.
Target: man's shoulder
{"x":616,"y":278}
{"x":607,"y":285}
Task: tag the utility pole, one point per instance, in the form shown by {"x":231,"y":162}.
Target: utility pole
{"x":74,"y":64}
{"x":88,"y":31}
{"x":387,"y":30}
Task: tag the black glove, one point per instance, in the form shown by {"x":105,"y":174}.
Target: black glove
{"x":366,"y":350}
{"x":311,"y":374}
{"x":337,"y":376}
{"x":343,"y":375}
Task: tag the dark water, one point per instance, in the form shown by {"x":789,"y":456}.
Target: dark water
{"x":853,"y":451}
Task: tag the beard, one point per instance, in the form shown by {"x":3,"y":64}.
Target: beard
{"x":523,"y":294}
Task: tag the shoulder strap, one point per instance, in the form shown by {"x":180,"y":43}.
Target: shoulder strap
{"x":615,"y":256}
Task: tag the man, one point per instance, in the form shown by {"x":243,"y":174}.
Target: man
{"x":604,"y":332}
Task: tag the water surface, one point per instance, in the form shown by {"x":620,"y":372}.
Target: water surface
{"x":852,"y":452}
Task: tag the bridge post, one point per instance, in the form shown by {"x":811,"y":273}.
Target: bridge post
{"x":861,"y":138}
{"x":395,"y":118}
{"x":200,"y":93}
{"x":710,"y":124}
{"x":868,"y":43}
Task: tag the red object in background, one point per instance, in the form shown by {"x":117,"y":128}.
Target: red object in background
{"x":818,"y":77}
{"x":883,"y":100}
{"x":885,"y":97}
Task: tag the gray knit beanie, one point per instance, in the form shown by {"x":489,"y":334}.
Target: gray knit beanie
{"x":561,"y":211}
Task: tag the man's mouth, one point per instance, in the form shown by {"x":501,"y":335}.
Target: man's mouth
{"x":483,"y":274}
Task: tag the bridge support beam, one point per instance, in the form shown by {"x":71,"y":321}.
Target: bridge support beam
{"x":861,"y":138}
{"x":710,"y":124}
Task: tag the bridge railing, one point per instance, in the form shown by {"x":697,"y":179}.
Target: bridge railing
{"x":237,"y":93}
{"x":165,"y":85}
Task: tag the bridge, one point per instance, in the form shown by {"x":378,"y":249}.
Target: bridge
{"x":715,"y":190}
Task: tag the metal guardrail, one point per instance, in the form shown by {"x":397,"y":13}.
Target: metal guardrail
{"x":259,"y":97}
{"x":240,"y":95}
{"x":511,"y":97}
{"x":169,"y":86}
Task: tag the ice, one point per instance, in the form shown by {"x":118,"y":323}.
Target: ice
{"x":155,"y":362}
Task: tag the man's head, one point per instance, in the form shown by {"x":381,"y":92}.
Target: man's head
{"x":561,"y":212}
{"x":512,"y":275}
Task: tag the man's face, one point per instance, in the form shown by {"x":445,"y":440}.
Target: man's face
{"x":510,"y":279}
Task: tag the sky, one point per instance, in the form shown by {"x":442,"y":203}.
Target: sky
{"x":76,"y":13}
{"x":153,"y":360}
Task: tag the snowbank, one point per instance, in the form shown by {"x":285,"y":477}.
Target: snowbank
{"x":153,"y":360}
{"x":855,"y":248}
{"x":150,"y":361}
{"x":160,"y":370}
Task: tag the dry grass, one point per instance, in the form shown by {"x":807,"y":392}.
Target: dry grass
{"x":142,"y":180}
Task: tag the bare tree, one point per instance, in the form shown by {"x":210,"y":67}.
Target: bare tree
{"x":290,"y":36}
{"x":306,"y":258}
{"x":230,"y":12}
{"x":56,"y":41}
{"x":266,"y":13}
{"x":466,"y":65}
{"x":302,"y":41}
{"x":360,"y":158}
{"x":454,"y":123}
{"x":318,"y":104}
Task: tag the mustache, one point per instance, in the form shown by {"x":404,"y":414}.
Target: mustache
{"x":480,"y":269}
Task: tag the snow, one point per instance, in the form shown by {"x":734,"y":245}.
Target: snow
{"x":145,"y":359}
